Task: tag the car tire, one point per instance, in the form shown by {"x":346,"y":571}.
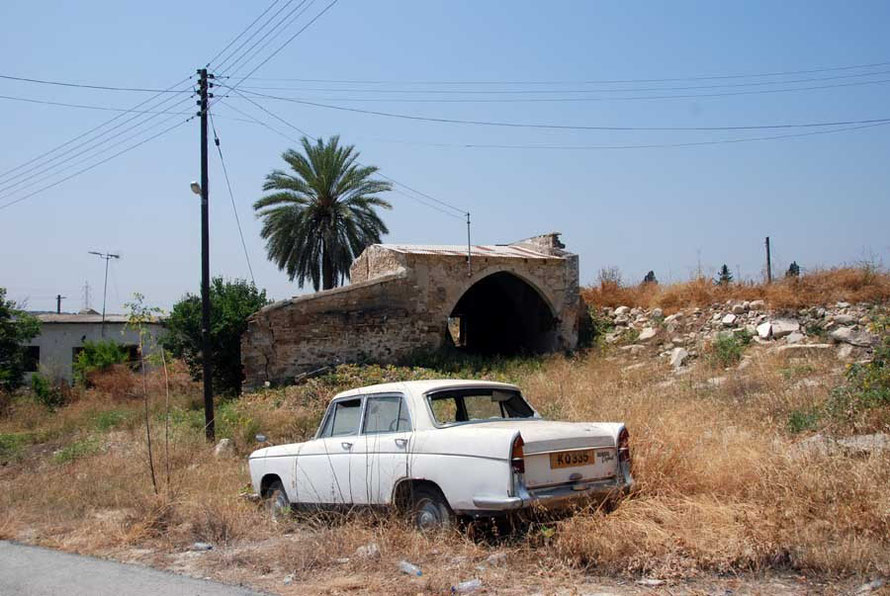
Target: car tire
{"x":277,"y":503}
{"x":429,"y":510}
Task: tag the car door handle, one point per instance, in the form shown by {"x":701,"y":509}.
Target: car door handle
{"x":401,"y":442}
{"x":346,"y":445}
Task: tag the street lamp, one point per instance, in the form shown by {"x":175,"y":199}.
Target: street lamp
{"x":196,"y":188}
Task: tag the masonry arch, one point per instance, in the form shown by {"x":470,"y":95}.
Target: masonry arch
{"x":502,"y":313}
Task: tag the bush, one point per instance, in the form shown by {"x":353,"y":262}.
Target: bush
{"x":728,"y":348}
{"x":97,"y":356}
{"x":46,"y":393}
{"x":232,"y":303}
{"x":16,"y":328}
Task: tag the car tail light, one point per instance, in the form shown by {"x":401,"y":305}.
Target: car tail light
{"x":624,"y":449}
{"x":517,"y":458}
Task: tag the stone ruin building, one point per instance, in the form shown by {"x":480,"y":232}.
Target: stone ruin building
{"x":508,"y":299}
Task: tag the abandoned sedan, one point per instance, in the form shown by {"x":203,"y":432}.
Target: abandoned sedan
{"x":442,"y":448}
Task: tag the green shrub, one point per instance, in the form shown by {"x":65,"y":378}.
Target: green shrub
{"x":106,"y":420}
{"x":97,"y":355}
{"x":46,"y":393}
{"x":593,"y":328}
{"x":12,"y":445}
{"x":76,"y":450}
{"x":727,"y":348}
{"x":802,"y":420}
{"x":16,"y":328}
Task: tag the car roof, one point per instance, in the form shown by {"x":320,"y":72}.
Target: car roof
{"x":422,"y":387}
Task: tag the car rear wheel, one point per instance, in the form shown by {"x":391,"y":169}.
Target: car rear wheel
{"x":277,"y":503}
{"x":429,"y":510}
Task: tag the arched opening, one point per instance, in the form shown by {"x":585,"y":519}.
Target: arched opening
{"x":502,"y":314}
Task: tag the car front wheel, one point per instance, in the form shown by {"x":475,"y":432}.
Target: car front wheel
{"x":430,"y":510}
{"x":277,"y":503}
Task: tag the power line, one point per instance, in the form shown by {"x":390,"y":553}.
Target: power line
{"x":107,"y":159}
{"x":270,"y":35}
{"x":606,"y":147}
{"x":83,"y":106}
{"x":581,"y":82}
{"x":84,"y":147}
{"x":231,"y":195}
{"x":90,"y":131}
{"x":553,"y":91}
{"x":590,"y":99}
{"x":286,"y":43}
{"x":243,"y":31}
{"x":36,"y":178}
{"x":252,"y":35}
{"x":662,"y":145}
{"x":86,"y":86}
{"x":568,"y":126}
{"x":266,"y":125}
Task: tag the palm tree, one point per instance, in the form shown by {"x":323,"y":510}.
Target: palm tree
{"x":322,"y":213}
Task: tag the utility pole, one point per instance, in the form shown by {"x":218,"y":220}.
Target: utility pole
{"x":469,"y":250}
{"x":59,"y":299}
{"x":209,"y":423}
{"x":769,"y":264}
{"x":107,"y":256}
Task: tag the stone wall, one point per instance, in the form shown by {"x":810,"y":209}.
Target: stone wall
{"x":399,"y":303}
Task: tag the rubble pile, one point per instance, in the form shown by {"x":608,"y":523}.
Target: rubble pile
{"x":680,"y":336}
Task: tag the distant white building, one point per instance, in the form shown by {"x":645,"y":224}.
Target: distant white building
{"x":62,"y":337}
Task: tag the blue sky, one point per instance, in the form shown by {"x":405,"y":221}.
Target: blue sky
{"x":821,"y":198}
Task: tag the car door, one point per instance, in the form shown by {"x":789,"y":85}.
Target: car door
{"x":322,"y":468}
{"x":380,"y":455}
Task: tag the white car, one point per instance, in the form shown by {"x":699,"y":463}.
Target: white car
{"x":442,"y":448}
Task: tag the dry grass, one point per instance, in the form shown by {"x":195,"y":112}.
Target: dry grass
{"x":721,"y":488}
{"x":821,"y":287}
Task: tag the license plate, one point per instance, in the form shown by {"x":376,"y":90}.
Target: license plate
{"x":572,"y":459}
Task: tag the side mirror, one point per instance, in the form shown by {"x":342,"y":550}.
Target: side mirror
{"x":261,"y":438}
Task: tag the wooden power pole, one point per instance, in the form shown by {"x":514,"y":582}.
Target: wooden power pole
{"x":769,"y":264}
{"x":209,"y":422}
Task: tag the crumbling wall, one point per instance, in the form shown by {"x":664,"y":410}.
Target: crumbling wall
{"x":399,"y":303}
{"x":371,"y":321}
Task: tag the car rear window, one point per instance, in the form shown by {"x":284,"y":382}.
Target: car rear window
{"x":475,"y":404}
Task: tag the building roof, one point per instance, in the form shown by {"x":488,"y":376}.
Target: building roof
{"x":524,"y":251}
{"x":84,"y":318}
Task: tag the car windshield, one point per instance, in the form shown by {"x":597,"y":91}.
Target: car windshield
{"x":466,"y":405}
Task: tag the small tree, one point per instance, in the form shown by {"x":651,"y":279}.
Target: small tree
{"x":650,"y":278}
{"x":724,"y":276}
{"x":610,"y":277}
{"x":16,"y":328}
{"x":232,"y":302}
{"x":793,"y":270}
{"x":95,"y":356}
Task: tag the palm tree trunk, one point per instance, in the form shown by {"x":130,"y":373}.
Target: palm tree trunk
{"x":327,"y":268}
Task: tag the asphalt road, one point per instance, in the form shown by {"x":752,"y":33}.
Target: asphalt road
{"x":34,"y":571}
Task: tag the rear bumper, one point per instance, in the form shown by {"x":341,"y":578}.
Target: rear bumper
{"x":553,"y":497}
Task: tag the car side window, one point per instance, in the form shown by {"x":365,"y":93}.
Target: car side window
{"x":343,"y":419}
{"x":386,"y":414}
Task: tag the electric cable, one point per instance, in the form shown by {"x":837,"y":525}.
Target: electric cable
{"x":591,"y":99}
{"x":81,"y":148}
{"x":33,"y":180}
{"x":269,"y":36}
{"x":243,"y":31}
{"x":90,"y":131}
{"x":252,"y":35}
{"x":225,"y":170}
{"x":581,"y":82}
{"x":553,"y":91}
{"x":292,"y":139}
{"x":84,"y":170}
{"x":504,"y":124}
{"x":86,"y":86}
